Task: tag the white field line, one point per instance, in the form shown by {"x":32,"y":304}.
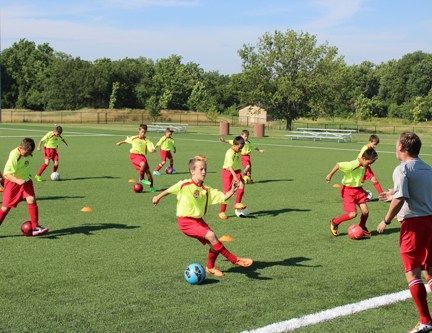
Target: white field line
{"x":206,"y":140}
{"x":340,"y":311}
{"x":44,"y":131}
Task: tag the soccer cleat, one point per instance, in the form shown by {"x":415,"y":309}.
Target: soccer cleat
{"x":38,"y":178}
{"x":214,"y":271}
{"x":145,"y":182}
{"x":366,"y":233}
{"x":244,"y":262}
{"x":156,"y":173}
{"x":39,"y":231}
{"x":223,"y":216}
{"x":239,"y":205}
{"x":420,"y":328}
{"x":173,"y":170}
{"x":152,"y":190}
{"x":334,"y":228}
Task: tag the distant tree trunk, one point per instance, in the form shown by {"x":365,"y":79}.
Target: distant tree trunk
{"x":288,"y":124}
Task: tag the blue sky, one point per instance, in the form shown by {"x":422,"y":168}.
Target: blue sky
{"x":211,"y":32}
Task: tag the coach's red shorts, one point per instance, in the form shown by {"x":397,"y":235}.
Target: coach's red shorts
{"x":368,"y":173}
{"x":164,"y":154}
{"x":13,"y":193}
{"x":50,"y":154}
{"x":227,"y":178}
{"x":245,"y":161}
{"x":352,"y":196}
{"x":137,"y":159}
{"x":416,"y":242}
{"x":193,"y":227}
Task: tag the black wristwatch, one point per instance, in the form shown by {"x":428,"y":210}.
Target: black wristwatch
{"x":387,"y":223}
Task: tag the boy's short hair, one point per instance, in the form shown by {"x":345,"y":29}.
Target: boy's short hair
{"x":195,"y":159}
{"x":410,"y":142}
{"x":374,"y":138}
{"x":28,"y":145}
{"x":143,"y":126}
{"x":238,"y":141}
{"x":245,"y":132}
{"x":370,"y":154}
{"x":58,"y":129}
{"x":169,"y":130}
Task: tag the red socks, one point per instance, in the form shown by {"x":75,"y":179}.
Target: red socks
{"x":212,"y":255}
{"x":418,"y":293}
{"x":55,"y":168}
{"x":41,"y":169}
{"x":342,"y":218}
{"x":34,"y":216}
{"x":223,"y":208}
{"x":219,"y":247}
{"x":141,"y":175}
{"x":378,"y":187}
{"x":239,"y":196}
{"x":159,"y":167}
{"x":3,"y":215}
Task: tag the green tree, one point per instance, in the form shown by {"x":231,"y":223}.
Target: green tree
{"x":153,"y":108}
{"x":200,"y":100}
{"x":113,"y":97}
{"x":290,"y":76}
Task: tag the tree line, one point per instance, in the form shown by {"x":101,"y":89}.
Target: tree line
{"x":286,"y":72}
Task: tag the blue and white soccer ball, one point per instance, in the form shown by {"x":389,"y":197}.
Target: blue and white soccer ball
{"x":194,"y":274}
{"x":241,"y":212}
{"x":55,"y":176}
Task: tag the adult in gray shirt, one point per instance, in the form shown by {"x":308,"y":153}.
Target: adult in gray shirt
{"x":411,"y":203}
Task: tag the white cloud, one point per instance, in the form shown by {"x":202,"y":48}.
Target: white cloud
{"x":153,"y":3}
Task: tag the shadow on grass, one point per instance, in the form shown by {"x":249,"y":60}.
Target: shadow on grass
{"x":85,"y":178}
{"x":252,"y":271}
{"x":86,"y":230}
{"x":209,"y":281}
{"x":374,"y":233}
{"x":272,"y":181}
{"x":274,"y":212}
{"x":59,"y":197}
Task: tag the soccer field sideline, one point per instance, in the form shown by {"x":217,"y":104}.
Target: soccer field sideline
{"x":86,"y":134}
{"x":337,"y":312}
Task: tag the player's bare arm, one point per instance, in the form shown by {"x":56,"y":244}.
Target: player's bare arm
{"x":395,"y":207}
{"x":332,"y":172}
{"x":156,"y":199}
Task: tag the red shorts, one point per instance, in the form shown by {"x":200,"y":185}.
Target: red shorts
{"x":193,"y":227}
{"x":164,"y":154}
{"x":352,"y":196}
{"x":415,"y":242}
{"x":245,"y":161}
{"x":13,"y":193}
{"x":50,"y":154}
{"x":368,"y":173}
{"x":137,"y":159}
{"x":227,"y":178}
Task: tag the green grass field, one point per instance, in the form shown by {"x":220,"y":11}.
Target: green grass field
{"x":120,"y":267}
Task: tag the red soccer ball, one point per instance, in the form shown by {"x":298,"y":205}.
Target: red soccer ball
{"x":137,"y":188}
{"x":26,"y":228}
{"x":355,"y":232}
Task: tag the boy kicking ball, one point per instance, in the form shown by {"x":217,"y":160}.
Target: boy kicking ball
{"x":193,"y":199}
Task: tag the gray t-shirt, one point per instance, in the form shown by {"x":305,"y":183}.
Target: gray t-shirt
{"x":413,"y":181}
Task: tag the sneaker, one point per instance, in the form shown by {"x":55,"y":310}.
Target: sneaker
{"x":420,"y":328}
{"x":38,"y":178}
{"x":366,"y":233}
{"x":223,"y":216}
{"x":173,"y":170}
{"x":156,"y":173}
{"x":244,"y":262}
{"x":334,"y":228}
{"x":239,"y":205}
{"x":39,"y":231}
{"x":152,"y":190}
{"x":214,"y":271}
{"x":145,"y":182}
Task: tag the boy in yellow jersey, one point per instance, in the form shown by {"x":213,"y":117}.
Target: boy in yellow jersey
{"x":352,"y":192}
{"x":245,"y":155}
{"x":167,"y":145}
{"x":373,"y":142}
{"x":140,"y":146}
{"x":52,"y":140}
{"x":18,"y":185}
{"x":193,"y":199}
{"x":231,"y":172}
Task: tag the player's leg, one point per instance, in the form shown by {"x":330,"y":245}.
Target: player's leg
{"x":363,"y":218}
{"x":3,"y":212}
{"x":419,"y":295}
{"x":163,"y":156}
{"x":32,"y":208}
{"x":349,"y":207}
{"x":56,"y":163}
{"x":370,"y":175}
{"x":141,"y":171}
{"x":227,"y":179}
{"x":42,"y":169}
{"x":240,"y":192}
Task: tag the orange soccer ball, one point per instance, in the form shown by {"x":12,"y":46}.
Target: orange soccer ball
{"x":355,"y":232}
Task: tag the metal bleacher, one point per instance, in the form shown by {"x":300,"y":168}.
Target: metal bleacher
{"x":322,"y":134}
{"x":161,"y":127}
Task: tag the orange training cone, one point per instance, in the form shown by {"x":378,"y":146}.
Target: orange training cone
{"x":86,"y":209}
{"x":226,"y":238}
{"x":131,"y":181}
